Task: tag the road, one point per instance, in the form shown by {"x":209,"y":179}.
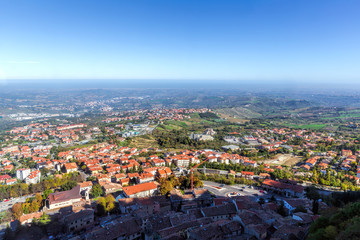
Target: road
{"x":7,"y":205}
{"x":243,"y":190}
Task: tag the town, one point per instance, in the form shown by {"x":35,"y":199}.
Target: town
{"x":269,"y":183}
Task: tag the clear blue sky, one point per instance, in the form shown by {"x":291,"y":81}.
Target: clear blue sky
{"x":311,"y":40}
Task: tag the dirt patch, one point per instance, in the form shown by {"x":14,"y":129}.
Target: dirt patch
{"x":144,"y":142}
{"x":232,"y":119}
{"x":283,"y":159}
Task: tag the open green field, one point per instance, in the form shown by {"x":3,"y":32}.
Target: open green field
{"x":307,"y":126}
{"x":350,"y":115}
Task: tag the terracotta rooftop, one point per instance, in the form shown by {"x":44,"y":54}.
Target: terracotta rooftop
{"x":142,"y":187}
{"x":280,"y":185}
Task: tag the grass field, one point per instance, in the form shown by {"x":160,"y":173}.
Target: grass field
{"x":307,"y":126}
{"x":350,"y":115}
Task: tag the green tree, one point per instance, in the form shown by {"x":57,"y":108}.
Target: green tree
{"x":46,"y":193}
{"x":110,"y":203}
{"x":44,"y":219}
{"x":68,"y":185}
{"x":96,"y":190}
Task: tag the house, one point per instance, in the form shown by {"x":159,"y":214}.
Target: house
{"x":34,"y":177}
{"x":70,"y":167}
{"x":85,"y":188}
{"x":28,"y":218}
{"x":63,"y":199}
{"x":346,"y":153}
{"x":158,"y":162}
{"x":78,"y":221}
{"x":124,"y":181}
{"x":250,"y":163}
{"x":103,"y":178}
{"x":149,"y":205}
{"x":225,"y":211}
{"x":292,"y":203}
{"x":127,"y":205}
{"x":95,"y":169}
{"x":182,"y":161}
{"x":119,"y":176}
{"x":161,"y":173}
{"x":11,"y":181}
{"x":252,"y":223}
{"x":247,"y":175}
{"x":23,"y":173}
{"x":4,"y":178}
{"x":145,"y":177}
{"x":133,"y":176}
{"x":188,"y":200}
{"x":264,"y":175}
{"x":224,"y":229}
{"x":140,"y":190}
{"x":283,"y":188}
{"x":128,"y":229}
{"x":111,"y":187}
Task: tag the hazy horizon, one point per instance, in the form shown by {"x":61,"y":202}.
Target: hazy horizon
{"x":251,"y":85}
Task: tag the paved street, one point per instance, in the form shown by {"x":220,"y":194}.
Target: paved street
{"x":11,"y":202}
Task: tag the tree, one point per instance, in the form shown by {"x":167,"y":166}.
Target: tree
{"x":331,"y":233}
{"x":261,"y":201}
{"x":101,"y":206}
{"x":96,"y":190}
{"x":165,"y":187}
{"x":68,"y":185}
{"x":44,"y":219}
{"x":315,"y":207}
{"x":44,"y":171}
{"x":5,"y":216}
{"x":17,"y":210}
{"x":46,"y":193}
{"x":312,"y":193}
{"x":110,"y":203}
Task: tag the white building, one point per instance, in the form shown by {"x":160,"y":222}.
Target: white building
{"x":23,"y":173}
{"x":34,"y":177}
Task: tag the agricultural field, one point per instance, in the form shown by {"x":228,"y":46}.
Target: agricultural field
{"x":307,"y":126}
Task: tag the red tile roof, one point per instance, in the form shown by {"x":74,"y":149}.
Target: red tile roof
{"x":142,"y":187}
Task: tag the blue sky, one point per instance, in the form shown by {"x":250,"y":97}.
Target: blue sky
{"x":288,"y":40}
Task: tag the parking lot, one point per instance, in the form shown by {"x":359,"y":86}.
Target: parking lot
{"x":223,"y":190}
